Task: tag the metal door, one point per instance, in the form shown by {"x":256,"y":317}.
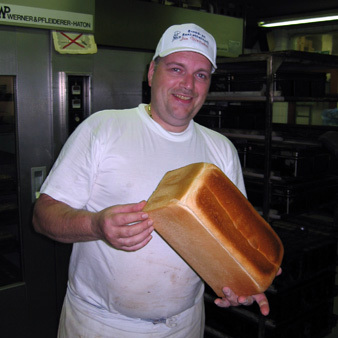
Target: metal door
{"x":28,"y":297}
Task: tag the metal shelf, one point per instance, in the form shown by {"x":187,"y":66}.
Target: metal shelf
{"x":268,"y":66}
{"x":221,"y":97}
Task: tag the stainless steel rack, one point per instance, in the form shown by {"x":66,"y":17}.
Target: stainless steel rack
{"x":270,"y":76}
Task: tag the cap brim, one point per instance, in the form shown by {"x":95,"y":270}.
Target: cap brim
{"x":186,"y":49}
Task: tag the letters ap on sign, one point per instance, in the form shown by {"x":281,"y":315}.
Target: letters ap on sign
{"x":4,"y":10}
{"x":74,"y":43}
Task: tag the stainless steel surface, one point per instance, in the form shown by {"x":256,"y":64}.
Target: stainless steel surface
{"x":117,"y":78}
{"x":115,"y":82}
{"x":24,"y":54}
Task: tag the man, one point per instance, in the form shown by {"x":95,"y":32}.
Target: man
{"x":124,"y":280}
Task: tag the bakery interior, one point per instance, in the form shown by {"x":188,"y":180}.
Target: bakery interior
{"x":274,"y":95}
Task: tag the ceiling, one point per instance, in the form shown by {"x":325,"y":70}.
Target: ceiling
{"x":255,"y":10}
{"x":272,"y":8}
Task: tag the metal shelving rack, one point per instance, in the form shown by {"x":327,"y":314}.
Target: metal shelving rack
{"x":271,"y":64}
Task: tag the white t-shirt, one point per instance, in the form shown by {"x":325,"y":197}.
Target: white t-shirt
{"x":117,"y":157}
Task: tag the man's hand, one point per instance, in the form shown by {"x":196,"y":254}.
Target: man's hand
{"x":231,"y":299}
{"x":125,"y":227}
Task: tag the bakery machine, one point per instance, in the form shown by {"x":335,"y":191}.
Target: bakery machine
{"x":33,"y":269}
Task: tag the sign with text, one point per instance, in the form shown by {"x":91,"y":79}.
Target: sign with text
{"x":45,"y":18}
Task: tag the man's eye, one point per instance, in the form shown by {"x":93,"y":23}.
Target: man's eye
{"x":202,"y":76}
{"x":176,"y":69}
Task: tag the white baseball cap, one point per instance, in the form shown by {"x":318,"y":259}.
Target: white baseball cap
{"x":187,"y":37}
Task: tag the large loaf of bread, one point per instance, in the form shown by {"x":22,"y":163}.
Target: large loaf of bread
{"x":202,"y":215}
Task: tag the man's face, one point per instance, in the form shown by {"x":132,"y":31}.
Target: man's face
{"x":179,"y":86}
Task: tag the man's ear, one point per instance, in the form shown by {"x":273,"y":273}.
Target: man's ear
{"x":151,"y":71}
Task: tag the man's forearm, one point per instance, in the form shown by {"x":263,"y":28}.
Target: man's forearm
{"x":61,"y":222}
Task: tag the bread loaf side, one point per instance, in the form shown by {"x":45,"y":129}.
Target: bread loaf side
{"x":203,"y":216}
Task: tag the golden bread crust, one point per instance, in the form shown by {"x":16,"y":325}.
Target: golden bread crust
{"x":213,"y":227}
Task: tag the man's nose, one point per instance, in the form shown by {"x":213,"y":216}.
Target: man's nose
{"x":188,"y":81}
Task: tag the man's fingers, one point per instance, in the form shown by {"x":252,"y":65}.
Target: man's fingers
{"x":262,"y":303}
{"x":126,"y":208}
{"x":231,"y":299}
{"x":138,"y":245}
{"x":245,"y":300}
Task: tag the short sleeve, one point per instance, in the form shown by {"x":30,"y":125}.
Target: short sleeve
{"x":71,"y":178}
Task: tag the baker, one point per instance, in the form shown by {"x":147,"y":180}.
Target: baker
{"x":124,"y":280}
